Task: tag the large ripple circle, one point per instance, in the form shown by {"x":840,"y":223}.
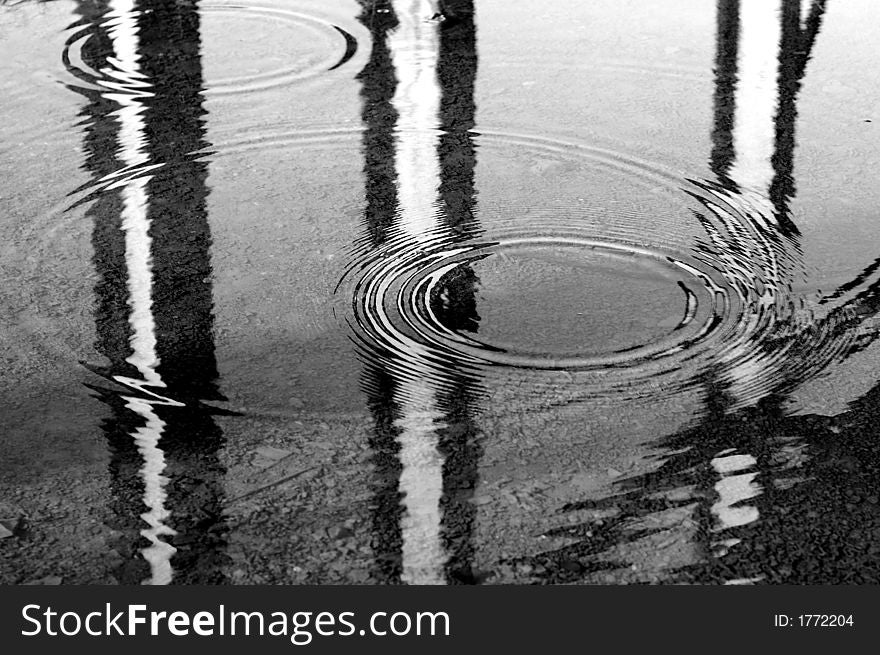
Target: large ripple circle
{"x":579,"y":261}
{"x":562,"y":302}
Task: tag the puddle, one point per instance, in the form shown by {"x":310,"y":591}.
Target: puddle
{"x":335,"y":292}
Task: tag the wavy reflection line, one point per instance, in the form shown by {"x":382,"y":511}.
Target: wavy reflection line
{"x":127,"y":90}
{"x":414,"y":47}
{"x":425,"y":443}
{"x":840,"y":327}
{"x":154,"y":310}
{"x":413,"y":58}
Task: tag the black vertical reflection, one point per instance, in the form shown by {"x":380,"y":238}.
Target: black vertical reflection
{"x":455,"y":306}
{"x":154,"y":307}
{"x":379,"y":117}
{"x":457,"y":75}
{"x":795,"y":51}
{"x":396,"y":400}
{"x":740,"y":449}
{"x":727,"y":35}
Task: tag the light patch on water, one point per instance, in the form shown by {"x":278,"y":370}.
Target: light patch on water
{"x":421,"y":482}
{"x":756,"y":93}
{"x":733,"y":488}
{"x":745,"y":581}
{"x":415,"y":52}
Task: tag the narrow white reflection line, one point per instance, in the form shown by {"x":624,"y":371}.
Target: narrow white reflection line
{"x":415,"y":52}
{"x":123,"y":31}
{"x":147,"y":438}
{"x":138,"y":260}
{"x":756,"y":98}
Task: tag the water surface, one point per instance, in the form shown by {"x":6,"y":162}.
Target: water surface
{"x":322,"y":292}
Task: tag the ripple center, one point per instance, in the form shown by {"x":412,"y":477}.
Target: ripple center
{"x":550,"y":299}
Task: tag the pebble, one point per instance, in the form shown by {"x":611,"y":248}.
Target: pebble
{"x":270,"y":452}
{"x":572,"y":566}
{"x":359,"y":576}
{"x":48,"y":580}
{"x":340,"y":532}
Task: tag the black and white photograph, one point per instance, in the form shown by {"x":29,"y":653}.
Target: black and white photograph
{"x":439,"y":292}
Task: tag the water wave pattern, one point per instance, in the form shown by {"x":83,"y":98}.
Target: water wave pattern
{"x":778,"y":340}
{"x":334,"y":46}
{"x":119,"y":81}
{"x":279,"y":136}
{"x":738,"y":311}
{"x":225,"y":144}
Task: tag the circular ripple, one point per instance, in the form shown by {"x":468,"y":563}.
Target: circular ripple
{"x":244,"y":48}
{"x":558,"y":299}
{"x":262,"y":47}
{"x":581,"y":262}
{"x":562,"y":303}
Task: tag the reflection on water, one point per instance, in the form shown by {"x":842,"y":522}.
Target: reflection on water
{"x":420,"y":194}
{"x":772,"y":495}
{"x":494,"y":278}
{"x":154,"y":317}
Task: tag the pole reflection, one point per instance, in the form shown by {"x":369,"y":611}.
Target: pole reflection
{"x":154,"y":307}
{"x":762,"y":496}
{"x":418,"y":113}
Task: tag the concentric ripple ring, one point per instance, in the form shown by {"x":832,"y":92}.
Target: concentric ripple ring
{"x":727,"y":307}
